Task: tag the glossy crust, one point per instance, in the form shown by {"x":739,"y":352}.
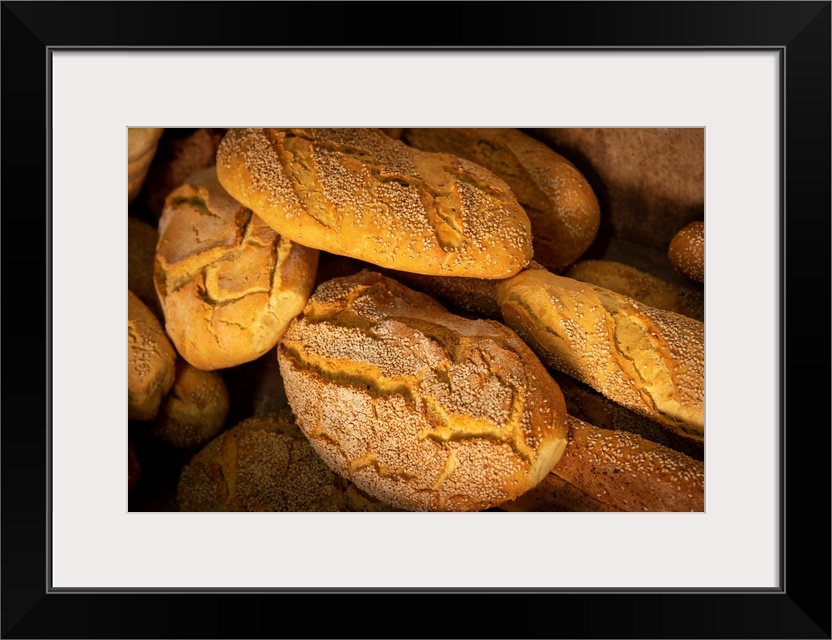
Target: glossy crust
{"x":150,"y":361}
{"x":687,"y":251}
{"x":264,"y":463}
{"x":646,"y":359}
{"x":229,"y":284}
{"x":421,"y":408}
{"x":363,"y":194}
{"x":562,"y":207}
{"x":604,"y":470}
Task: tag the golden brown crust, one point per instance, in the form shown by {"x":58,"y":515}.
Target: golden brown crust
{"x":141,"y":254}
{"x":687,"y":251}
{"x":362,"y":194}
{"x":194,"y":410}
{"x":228,"y":283}
{"x":420,"y":408}
{"x":646,"y":359}
{"x":150,"y":361}
{"x":641,"y":286}
{"x":617,"y":471}
{"x":141,"y":148}
{"x":265,"y":464}
{"x":562,"y":207}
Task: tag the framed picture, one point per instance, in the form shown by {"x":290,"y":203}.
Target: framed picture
{"x":754,"y":75}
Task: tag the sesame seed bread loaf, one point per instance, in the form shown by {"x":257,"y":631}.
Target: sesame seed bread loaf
{"x":604,"y":470}
{"x":194,"y":410}
{"x":646,"y":359}
{"x":229,"y":284}
{"x":362,"y":194}
{"x":151,"y":361}
{"x":422,"y":409}
{"x":265,"y":463}
{"x":687,"y":251}
{"x":142,"y":143}
{"x":562,"y":207}
{"x":646,"y":288}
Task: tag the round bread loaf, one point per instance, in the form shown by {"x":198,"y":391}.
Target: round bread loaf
{"x":142,"y":143}
{"x":422,"y":409}
{"x":194,"y":410}
{"x":363,"y":194}
{"x":229,"y":284}
{"x":687,"y":251}
{"x":265,"y":463}
{"x":562,"y":207}
{"x":646,"y":359}
{"x":603,"y":470}
{"x":641,"y":286}
{"x":151,"y":361}
{"x":141,"y":254}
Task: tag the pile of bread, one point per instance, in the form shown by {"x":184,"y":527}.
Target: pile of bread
{"x":401,"y":319}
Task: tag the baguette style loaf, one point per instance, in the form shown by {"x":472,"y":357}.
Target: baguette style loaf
{"x":604,"y":470}
{"x":646,"y":359}
{"x":562,"y":207}
{"x":641,"y":286}
{"x":362,"y":194}
{"x":229,"y":284}
{"x":422,"y":409}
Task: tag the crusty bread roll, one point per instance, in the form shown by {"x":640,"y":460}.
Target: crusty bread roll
{"x":362,"y":194}
{"x":604,"y":470}
{"x":265,"y":463}
{"x":150,"y":361}
{"x":422,"y":409}
{"x":142,"y":143}
{"x":229,"y":284}
{"x":648,"y":289}
{"x":562,"y":207}
{"x":687,"y":251}
{"x":141,"y":254}
{"x":646,"y":359}
{"x":194,"y":410}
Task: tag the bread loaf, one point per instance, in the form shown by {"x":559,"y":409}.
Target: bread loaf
{"x":362,"y":194}
{"x":687,"y":251}
{"x":422,"y":409}
{"x":142,"y":143}
{"x":562,"y":207}
{"x":150,"y":361}
{"x":229,"y":284}
{"x":265,"y":463}
{"x":604,"y":470}
{"x":646,"y":359}
{"x":641,"y":286}
{"x":141,"y":255}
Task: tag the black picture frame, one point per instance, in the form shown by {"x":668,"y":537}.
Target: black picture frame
{"x":800,"y":608}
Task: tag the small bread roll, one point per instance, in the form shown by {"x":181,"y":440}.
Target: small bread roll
{"x":646,"y":359}
{"x":641,"y":286}
{"x":265,"y":464}
{"x":420,"y":408}
{"x":141,"y":255}
{"x":562,"y":207}
{"x":150,"y":361}
{"x":229,"y":284}
{"x":687,"y":251}
{"x":141,"y":148}
{"x":194,"y":410}
{"x":603,"y":470}
{"x":362,"y":194}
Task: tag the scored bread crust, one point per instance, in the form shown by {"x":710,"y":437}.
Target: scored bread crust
{"x":422,"y":409}
{"x":606,"y":470}
{"x":646,"y":288}
{"x":687,"y":251}
{"x":564,"y":212}
{"x":363,"y":194}
{"x":646,"y":359}
{"x":228,"y":283}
